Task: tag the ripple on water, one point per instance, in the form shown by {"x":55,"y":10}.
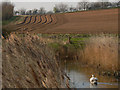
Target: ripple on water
{"x":80,"y":77}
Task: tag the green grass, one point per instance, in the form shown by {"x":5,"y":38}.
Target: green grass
{"x":54,"y":45}
{"x":77,"y":40}
{"x":13,"y":19}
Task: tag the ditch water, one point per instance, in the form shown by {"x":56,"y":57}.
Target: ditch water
{"x":80,"y":76}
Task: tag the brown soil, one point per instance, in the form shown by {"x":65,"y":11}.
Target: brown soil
{"x":96,"y":21}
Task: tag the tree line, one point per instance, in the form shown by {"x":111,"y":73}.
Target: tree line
{"x":81,"y":6}
{"x":32,"y":12}
{"x":61,"y":8}
{"x":8,"y":8}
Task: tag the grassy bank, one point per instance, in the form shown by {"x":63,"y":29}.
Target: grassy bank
{"x":7,"y":24}
{"x":13,"y":20}
{"x":29,"y":63}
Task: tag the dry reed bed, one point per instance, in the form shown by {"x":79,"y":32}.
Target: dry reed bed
{"x":101,"y":52}
{"x":29,"y":63}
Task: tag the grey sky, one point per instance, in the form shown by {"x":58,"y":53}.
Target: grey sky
{"x":47,"y":4}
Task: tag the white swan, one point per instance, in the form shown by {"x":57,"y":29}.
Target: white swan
{"x":93,"y":80}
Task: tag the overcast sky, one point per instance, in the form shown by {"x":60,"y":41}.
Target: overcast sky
{"x":47,"y":4}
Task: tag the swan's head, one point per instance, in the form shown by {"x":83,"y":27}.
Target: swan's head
{"x":93,"y":80}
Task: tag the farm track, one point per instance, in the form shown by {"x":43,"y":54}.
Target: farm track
{"x":98,"y":21}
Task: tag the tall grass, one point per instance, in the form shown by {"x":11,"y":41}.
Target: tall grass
{"x":101,"y":52}
{"x":98,"y":51}
{"x":29,"y":63}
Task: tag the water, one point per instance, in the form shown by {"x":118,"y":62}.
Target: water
{"x":80,"y":76}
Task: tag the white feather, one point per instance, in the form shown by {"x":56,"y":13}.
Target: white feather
{"x":93,"y":80}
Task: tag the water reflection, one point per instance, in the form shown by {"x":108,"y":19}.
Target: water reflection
{"x":93,"y":86}
{"x":80,"y":76}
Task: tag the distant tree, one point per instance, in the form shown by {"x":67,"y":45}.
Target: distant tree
{"x":0,"y":13}
{"x":118,"y":4}
{"x":50,"y":12}
{"x":79,"y":7}
{"x":71,"y":9}
{"x":97,"y":5}
{"x":42,"y":10}
{"x":7,"y":10}
{"x":16,"y":12}
{"x":106,"y":4}
{"x":22,"y":11}
{"x":83,"y":5}
{"x":114,"y":4}
{"x":29,"y":12}
{"x":74,"y":9}
{"x":60,"y":8}
{"x":35,"y":11}
{"x":55,"y":9}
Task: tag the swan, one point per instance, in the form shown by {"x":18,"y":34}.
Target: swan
{"x":93,"y":80}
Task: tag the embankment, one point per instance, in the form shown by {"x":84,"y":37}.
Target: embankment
{"x":29,"y":63}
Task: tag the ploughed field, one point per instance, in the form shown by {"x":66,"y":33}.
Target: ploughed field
{"x":96,"y":21}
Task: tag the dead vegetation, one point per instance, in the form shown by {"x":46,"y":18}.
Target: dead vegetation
{"x":101,"y":52}
{"x":98,"y":51}
{"x":29,"y":63}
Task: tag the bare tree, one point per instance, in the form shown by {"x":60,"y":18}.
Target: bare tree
{"x":35,"y":11}
{"x":118,"y":4}
{"x":97,"y":5}
{"x":71,"y":9}
{"x":42,"y":10}
{"x":106,"y":4}
{"x":56,"y":9}
{"x":83,"y":5}
{"x":50,"y":12}
{"x":29,"y":12}
{"x":60,"y":7}
{"x":7,"y":10}
{"x":22,"y":11}
{"x":100,"y":5}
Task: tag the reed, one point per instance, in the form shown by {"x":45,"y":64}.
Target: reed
{"x":101,"y":51}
